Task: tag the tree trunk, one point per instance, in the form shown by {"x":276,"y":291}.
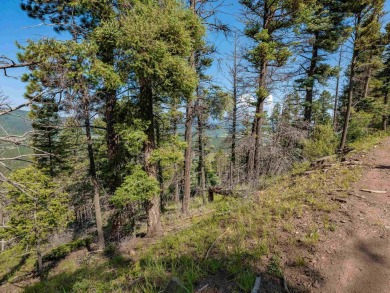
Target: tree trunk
{"x":153,"y":205}
{"x":188,"y":137}
{"x":187,"y":157}
{"x":336,"y":99}
{"x":234,"y":114}
{"x":176,"y":170}
{"x":176,"y":187}
{"x":160,"y":169}
{"x":254,"y":156}
{"x":201,"y":165}
{"x":350,"y":91}
{"x":112,"y":138}
{"x":93,"y":176}
{"x":367,"y":79}
{"x":310,"y":87}
{"x":385,"y":116}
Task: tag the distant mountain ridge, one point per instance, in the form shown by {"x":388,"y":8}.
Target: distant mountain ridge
{"x":15,"y":123}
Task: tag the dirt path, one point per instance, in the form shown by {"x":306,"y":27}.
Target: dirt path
{"x":357,"y":258}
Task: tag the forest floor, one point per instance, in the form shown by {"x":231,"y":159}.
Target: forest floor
{"x":313,"y":230}
{"x":356,"y":258}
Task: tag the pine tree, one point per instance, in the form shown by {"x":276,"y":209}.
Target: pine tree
{"x":366,"y":24}
{"x":267,"y":24}
{"x":80,"y":19}
{"x":157,"y":40}
{"x":45,"y":138}
{"x":321,"y":109}
{"x":37,"y":207}
{"x":324,"y":29}
{"x":384,"y":77}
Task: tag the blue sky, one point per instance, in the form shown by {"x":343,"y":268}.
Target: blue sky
{"x":17,"y":27}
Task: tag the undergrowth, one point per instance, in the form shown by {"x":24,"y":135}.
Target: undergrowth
{"x":241,"y":238}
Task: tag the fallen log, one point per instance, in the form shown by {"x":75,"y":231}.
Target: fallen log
{"x":218,"y":190}
{"x":339,"y":200}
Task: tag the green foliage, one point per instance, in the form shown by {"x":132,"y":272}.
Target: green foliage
{"x":322,"y":142}
{"x":156,"y":40}
{"x":137,"y":186}
{"x":37,"y":207}
{"x":74,"y":60}
{"x":359,"y":126}
{"x":321,"y":108}
{"x":170,"y":152}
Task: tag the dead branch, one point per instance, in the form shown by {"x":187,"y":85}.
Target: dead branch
{"x":374,"y":191}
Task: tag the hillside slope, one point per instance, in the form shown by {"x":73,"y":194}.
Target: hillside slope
{"x":283,"y":234}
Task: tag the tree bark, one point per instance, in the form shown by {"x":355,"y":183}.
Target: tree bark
{"x":176,"y":171}
{"x":234,"y":114}
{"x":188,"y":138}
{"x":254,"y":164}
{"x":201,"y":165}
{"x":160,"y":169}
{"x":112,"y":137}
{"x":93,"y":177}
{"x":385,"y":116}
{"x":187,"y":157}
{"x":153,"y":205}
{"x":310,"y":87}
{"x":350,"y":88}
{"x":336,"y":99}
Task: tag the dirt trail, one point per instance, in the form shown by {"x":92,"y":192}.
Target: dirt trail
{"x":357,"y":257}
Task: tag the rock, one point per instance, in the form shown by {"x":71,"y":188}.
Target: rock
{"x":316,"y":285}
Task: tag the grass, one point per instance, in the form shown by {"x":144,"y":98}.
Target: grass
{"x":368,"y":142}
{"x":236,"y":237}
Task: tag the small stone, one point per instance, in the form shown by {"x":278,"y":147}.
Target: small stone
{"x":316,"y":284}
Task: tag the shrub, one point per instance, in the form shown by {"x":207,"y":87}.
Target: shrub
{"x":359,"y":126}
{"x":323,"y":142}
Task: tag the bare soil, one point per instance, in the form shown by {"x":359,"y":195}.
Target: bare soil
{"x":356,"y":258}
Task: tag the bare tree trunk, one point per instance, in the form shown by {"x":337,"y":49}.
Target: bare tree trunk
{"x":153,"y":205}
{"x":201,"y":166}
{"x":234,"y":114}
{"x":336,"y":99}
{"x":188,"y":139}
{"x":310,"y":88}
{"x":350,"y":91}
{"x":93,"y":176}
{"x":187,"y":158}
